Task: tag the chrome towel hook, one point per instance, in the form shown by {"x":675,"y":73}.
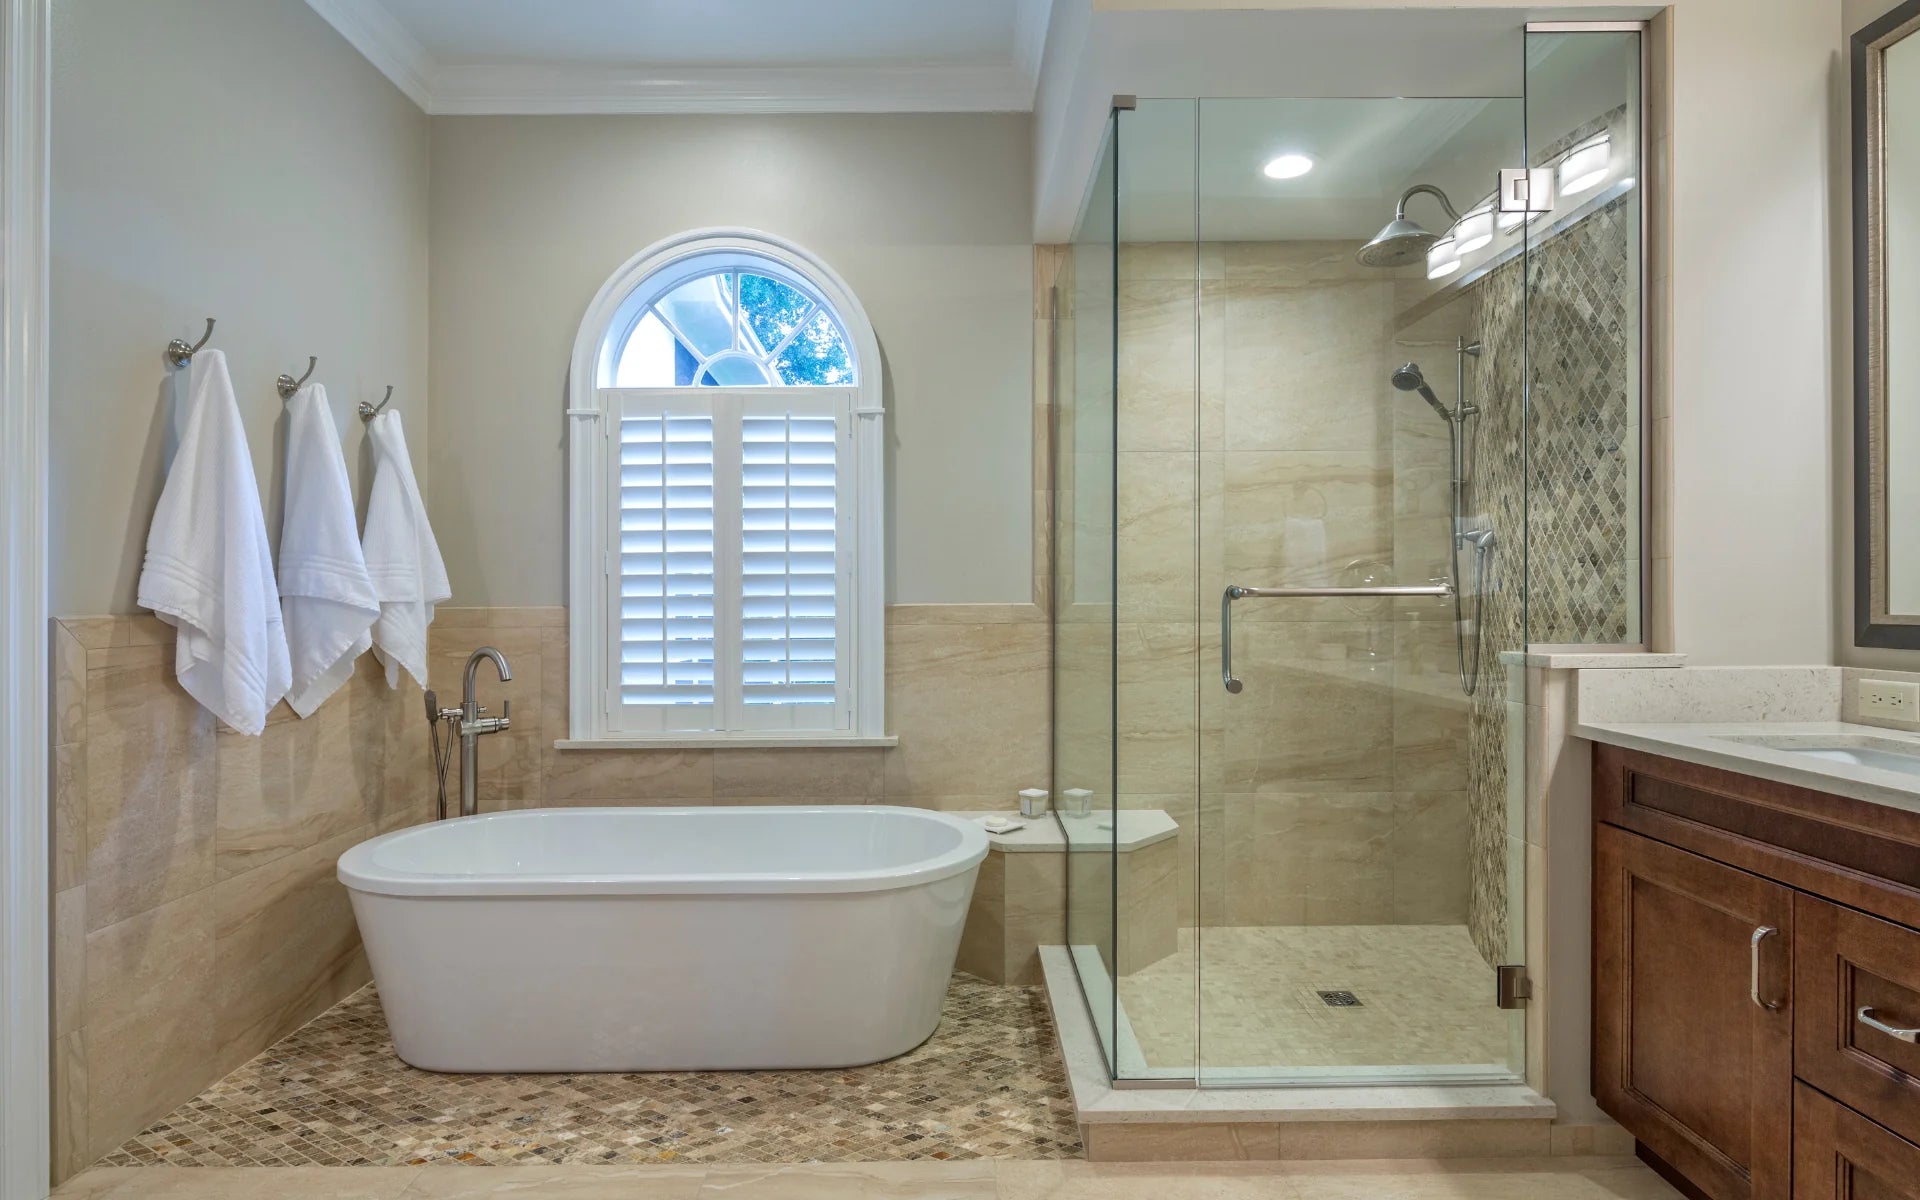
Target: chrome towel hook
{"x":288,"y":385}
{"x":369,"y":410}
{"x":180,"y":354}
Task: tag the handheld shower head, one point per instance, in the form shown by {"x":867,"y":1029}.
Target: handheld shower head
{"x":1408,"y":378}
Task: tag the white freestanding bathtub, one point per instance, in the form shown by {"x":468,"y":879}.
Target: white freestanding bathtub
{"x":658,"y":939}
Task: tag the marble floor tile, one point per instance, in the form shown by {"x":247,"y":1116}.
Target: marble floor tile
{"x":1459,"y":1179}
{"x":1507,"y":1179}
{"x":1425,"y":998}
{"x":854,"y":1181}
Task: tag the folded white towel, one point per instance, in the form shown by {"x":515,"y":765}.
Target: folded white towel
{"x":208,"y":570}
{"x":402,"y":557}
{"x":326,"y":595}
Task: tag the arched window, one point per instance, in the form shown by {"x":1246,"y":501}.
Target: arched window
{"x":725,"y":520}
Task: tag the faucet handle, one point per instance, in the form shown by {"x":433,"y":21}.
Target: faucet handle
{"x":506,"y":713}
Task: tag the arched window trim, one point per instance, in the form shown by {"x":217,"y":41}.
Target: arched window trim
{"x":625,"y":297}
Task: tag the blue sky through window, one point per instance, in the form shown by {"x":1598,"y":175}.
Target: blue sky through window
{"x":735,"y":329}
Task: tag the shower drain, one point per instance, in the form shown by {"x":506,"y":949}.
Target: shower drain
{"x":1339,"y":998}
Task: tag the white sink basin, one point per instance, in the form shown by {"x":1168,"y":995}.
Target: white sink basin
{"x":1882,"y":754}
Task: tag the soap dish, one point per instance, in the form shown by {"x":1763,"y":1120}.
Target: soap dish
{"x":1000,"y":824}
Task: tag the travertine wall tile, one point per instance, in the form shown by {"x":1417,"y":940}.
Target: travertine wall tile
{"x":153,"y":805}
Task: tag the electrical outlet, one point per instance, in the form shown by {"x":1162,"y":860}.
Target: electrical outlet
{"x":1888,"y":700}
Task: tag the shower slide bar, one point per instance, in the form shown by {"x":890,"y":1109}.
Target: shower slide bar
{"x":1438,"y":591}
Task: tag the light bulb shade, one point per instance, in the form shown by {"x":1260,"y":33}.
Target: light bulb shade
{"x":1473,"y":231}
{"x":1288,"y":166}
{"x":1443,"y":258}
{"x":1586,"y":165}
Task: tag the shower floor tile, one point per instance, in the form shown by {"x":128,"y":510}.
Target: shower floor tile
{"x":1425,"y":999}
{"x":988,"y":1084}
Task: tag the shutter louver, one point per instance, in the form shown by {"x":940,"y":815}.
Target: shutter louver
{"x":666,"y":561}
{"x":789,"y":565}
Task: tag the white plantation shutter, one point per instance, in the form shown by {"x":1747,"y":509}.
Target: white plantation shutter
{"x":730,"y":594}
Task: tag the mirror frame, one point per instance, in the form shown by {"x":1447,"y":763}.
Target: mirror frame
{"x":1874,"y":624}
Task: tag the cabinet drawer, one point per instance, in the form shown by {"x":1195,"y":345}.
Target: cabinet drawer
{"x":1844,"y":962}
{"x":1840,"y":1155}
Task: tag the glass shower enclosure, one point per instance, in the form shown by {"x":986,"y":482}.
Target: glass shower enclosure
{"x":1348,"y":414}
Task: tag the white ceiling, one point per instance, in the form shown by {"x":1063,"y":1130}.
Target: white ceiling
{"x":494,"y":56}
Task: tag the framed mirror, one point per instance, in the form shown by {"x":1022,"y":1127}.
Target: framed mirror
{"x":1886,"y":203}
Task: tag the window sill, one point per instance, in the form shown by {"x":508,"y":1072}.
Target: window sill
{"x":695,"y":741}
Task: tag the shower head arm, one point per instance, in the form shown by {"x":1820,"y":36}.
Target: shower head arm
{"x":1400,"y":209}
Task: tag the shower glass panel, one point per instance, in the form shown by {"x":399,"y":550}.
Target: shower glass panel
{"x":1082,"y":308}
{"x":1367,"y":433}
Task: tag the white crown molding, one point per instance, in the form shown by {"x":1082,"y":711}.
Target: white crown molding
{"x":383,"y":41}
{"x":473,"y":89}
{"x":488,"y":89}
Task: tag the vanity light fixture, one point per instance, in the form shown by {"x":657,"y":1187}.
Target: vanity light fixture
{"x":1287,"y":166}
{"x":1475,"y":230}
{"x":1443,"y":258}
{"x":1586,"y":164}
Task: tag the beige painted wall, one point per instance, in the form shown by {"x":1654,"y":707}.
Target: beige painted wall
{"x":227,"y":158}
{"x":927,"y":219}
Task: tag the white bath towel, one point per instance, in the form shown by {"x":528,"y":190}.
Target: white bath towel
{"x":208,"y":571}
{"x":326,"y":596}
{"x":402,"y":557}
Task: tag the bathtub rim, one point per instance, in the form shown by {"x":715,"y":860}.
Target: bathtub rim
{"x":357,"y":871}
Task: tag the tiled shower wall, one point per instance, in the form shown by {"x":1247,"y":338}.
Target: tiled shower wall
{"x":196,"y":916}
{"x":1332,"y":790}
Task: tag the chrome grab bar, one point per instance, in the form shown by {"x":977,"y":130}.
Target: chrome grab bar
{"x":1910,"y":1036}
{"x":1753,"y":981}
{"x":1234,"y":592}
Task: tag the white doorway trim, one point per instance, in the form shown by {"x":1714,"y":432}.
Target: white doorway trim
{"x":25,"y":1094}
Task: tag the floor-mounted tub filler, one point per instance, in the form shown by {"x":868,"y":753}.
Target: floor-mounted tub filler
{"x":660,"y":939}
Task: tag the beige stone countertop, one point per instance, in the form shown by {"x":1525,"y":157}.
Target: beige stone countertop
{"x":1733,"y":746}
{"x":1042,"y":835}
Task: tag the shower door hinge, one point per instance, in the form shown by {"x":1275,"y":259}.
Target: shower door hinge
{"x":1526,"y":190}
{"x":1511,"y":987}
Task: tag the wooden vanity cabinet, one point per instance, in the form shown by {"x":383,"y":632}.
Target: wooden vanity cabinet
{"x":1740,"y":929}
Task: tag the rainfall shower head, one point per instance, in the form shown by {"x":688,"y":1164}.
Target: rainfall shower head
{"x":1408,"y":378}
{"x":1404,"y":241}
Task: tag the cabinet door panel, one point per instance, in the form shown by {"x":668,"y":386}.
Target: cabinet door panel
{"x":1684,"y":1057}
{"x":1845,"y":961}
{"x":1840,"y":1155}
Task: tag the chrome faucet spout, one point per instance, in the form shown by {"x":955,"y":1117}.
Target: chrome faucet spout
{"x":473,"y":726}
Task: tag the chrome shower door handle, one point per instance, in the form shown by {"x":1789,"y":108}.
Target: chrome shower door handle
{"x":1753,"y":948}
{"x":1234,"y":592}
{"x":1227,"y":680}
{"x":1910,"y":1036}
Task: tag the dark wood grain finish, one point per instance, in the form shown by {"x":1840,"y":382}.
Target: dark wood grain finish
{"x":1844,"y":960}
{"x":1840,"y":1155}
{"x":1860,"y":854}
{"x":1683,"y":1058}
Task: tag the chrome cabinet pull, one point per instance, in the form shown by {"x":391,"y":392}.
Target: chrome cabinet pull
{"x":1910,"y":1036}
{"x":1236,"y":592}
{"x":1753,"y":988}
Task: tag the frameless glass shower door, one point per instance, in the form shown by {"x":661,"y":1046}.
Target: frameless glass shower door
{"x":1370,"y":425}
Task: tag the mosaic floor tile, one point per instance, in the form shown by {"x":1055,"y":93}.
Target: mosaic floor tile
{"x":988,"y":1084}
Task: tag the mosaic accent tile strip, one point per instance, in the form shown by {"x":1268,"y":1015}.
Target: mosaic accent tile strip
{"x":988,"y":1084}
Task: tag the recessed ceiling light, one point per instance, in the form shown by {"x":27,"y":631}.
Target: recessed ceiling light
{"x":1288,"y":166}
